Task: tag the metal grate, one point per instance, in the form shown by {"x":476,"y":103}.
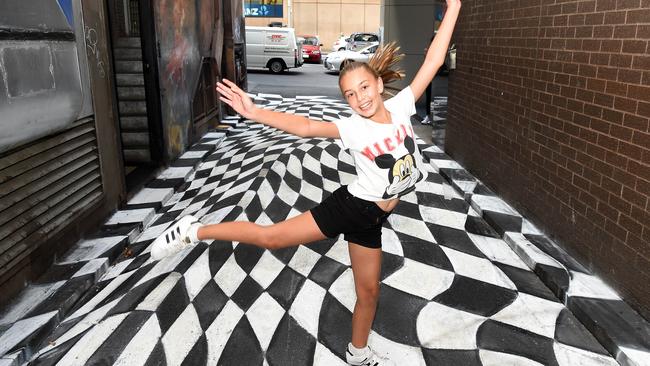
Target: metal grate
{"x":134,"y":18}
{"x":45,"y":187}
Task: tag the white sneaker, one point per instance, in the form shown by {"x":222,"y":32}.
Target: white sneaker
{"x":426,"y":121}
{"x":369,"y":359}
{"x":174,"y":239}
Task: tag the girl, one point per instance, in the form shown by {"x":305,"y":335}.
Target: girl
{"x":380,"y":138}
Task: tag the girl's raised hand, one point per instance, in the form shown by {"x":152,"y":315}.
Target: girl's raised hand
{"x":236,"y":98}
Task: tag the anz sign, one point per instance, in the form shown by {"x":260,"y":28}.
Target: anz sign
{"x":263,"y":8}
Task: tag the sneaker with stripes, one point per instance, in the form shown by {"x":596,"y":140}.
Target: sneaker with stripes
{"x":366,"y":358}
{"x":178,"y":236}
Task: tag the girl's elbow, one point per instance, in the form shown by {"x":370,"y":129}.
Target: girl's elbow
{"x":303,"y":132}
{"x":437,"y":63}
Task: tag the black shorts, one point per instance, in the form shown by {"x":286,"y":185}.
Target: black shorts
{"x":359,"y":220}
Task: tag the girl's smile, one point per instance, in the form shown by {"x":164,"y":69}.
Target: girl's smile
{"x":362,"y":91}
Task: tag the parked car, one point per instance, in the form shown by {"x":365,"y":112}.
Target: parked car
{"x":272,"y":48}
{"x":335,"y":61}
{"x":311,"y":48}
{"x":340,"y":43}
{"x":357,"y":41}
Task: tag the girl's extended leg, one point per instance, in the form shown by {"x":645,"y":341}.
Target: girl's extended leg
{"x":366,"y":268}
{"x":297,"y":230}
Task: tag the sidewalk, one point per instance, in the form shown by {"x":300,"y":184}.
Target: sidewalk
{"x":453,"y":291}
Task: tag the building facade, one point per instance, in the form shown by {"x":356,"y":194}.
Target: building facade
{"x":60,"y":163}
{"x":550,"y":107}
{"x":328,"y":19}
{"x":96,"y":96}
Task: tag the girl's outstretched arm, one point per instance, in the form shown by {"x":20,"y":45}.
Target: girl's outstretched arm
{"x":236,"y":98}
{"x":437,"y":50}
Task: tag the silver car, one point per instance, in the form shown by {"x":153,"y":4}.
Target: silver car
{"x":335,"y":61}
{"x":340,"y":44}
{"x":359,"y":41}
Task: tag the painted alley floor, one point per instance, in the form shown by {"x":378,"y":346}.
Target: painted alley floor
{"x":452,"y":291}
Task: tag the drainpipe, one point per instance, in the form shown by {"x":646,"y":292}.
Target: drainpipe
{"x":290,"y":9}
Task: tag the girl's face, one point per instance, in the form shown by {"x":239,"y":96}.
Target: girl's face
{"x":362,"y":90}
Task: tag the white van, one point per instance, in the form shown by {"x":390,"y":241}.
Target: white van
{"x":272,"y":48}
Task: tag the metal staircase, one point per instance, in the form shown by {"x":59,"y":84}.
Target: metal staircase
{"x":132,"y":102}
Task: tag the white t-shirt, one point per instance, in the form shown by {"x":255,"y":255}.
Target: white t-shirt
{"x":386,"y":156}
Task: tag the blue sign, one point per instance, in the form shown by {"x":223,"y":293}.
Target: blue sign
{"x":262,"y":10}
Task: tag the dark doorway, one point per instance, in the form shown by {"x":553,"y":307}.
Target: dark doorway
{"x":133,"y":44}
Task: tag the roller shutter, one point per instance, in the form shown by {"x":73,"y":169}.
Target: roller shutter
{"x":44,"y":187}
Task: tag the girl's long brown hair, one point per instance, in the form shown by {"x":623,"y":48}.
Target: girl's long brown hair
{"x":381,"y":65}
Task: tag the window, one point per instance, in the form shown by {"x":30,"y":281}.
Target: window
{"x":366,"y":37}
{"x":311,"y":41}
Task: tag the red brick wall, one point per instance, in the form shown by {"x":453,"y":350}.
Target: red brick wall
{"x":550,"y":106}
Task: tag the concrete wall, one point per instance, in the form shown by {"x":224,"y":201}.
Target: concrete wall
{"x":411,"y":24}
{"x":327,"y":18}
{"x":550,"y":106}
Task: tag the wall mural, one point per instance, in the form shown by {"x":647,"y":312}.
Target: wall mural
{"x":185,"y":31}
{"x":218,"y":34}
{"x":176,"y":30}
{"x":205,"y":26}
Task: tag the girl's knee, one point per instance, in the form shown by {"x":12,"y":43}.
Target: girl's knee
{"x":368,"y":293}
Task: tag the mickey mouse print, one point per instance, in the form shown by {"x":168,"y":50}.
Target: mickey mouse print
{"x":403,"y":173}
{"x":386,"y":156}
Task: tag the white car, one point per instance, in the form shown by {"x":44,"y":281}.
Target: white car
{"x":340,"y":44}
{"x":335,"y":61}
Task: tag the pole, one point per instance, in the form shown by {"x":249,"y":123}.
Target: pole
{"x":290,"y":16}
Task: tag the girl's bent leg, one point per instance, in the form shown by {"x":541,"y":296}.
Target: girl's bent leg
{"x":298,"y":230}
{"x":366,"y":268}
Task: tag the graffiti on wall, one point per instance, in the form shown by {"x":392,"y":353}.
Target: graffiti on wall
{"x":185,"y":36}
{"x":205,"y":26}
{"x":93,"y":51}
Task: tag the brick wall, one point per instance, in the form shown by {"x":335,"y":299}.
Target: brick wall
{"x":550,"y":106}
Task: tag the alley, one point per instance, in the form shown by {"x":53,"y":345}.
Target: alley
{"x":528,"y":243}
{"x":452,"y":292}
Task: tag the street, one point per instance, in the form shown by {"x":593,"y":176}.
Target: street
{"x":310,"y":79}
{"x":313,"y":79}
